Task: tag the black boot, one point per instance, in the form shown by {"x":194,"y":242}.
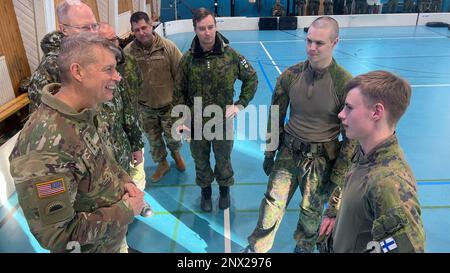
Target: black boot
{"x":206,"y":203}
{"x":224,"y":200}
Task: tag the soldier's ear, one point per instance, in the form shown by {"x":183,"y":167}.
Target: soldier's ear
{"x":75,"y":71}
{"x":378,"y":111}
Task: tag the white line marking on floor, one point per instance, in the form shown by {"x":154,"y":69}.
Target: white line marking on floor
{"x":270,"y":57}
{"x":226,"y":227}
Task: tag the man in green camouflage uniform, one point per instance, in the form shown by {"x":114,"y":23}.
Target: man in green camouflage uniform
{"x":379,"y":210}
{"x":328,"y":7}
{"x":313,"y":7}
{"x":70,"y":188}
{"x":73,"y":19}
{"x":119,"y":117}
{"x":208,"y":71}
{"x":309,"y":149}
{"x":158,"y":59}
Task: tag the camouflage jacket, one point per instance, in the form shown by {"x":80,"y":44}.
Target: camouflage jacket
{"x":380,"y":203}
{"x":68,"y":185}
{"x":211,"y":76}
{"x":159,"y":65}
{"x":47,"y":71}
{"x":339,"y":77}
{"x":119,"y":119}
{"x":120,"y":123}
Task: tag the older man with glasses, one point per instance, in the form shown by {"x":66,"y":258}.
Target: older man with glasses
{"x":74,"y":17}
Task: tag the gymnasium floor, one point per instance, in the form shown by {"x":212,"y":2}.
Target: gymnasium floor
{"x":420,"y":54}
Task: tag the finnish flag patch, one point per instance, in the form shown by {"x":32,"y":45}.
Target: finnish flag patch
{"x":388,"y":245}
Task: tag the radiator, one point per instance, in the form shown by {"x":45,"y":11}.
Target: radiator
{"x":6,"y":88}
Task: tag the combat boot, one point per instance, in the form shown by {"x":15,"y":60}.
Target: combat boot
{"x":224,"y":200}
{"x":206,"y":203}
{"x":179,"y":161}
{"x":161,"y":170}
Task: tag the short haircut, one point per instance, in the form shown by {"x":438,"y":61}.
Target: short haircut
{"x":200,"y":14}
{"x":385,"y":88}
{"x":64,"y":7}
{"x":327,"y":22}
{"x":138,"y":16}
{"x":80,"y":49}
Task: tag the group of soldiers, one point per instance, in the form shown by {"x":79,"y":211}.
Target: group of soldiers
{"x":362,"y":6}
{"x":78,"y":162}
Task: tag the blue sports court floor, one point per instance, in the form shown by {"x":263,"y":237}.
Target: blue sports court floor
{"x":420,"y":54}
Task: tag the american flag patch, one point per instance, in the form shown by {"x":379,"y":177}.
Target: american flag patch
{"x":50,"y":188}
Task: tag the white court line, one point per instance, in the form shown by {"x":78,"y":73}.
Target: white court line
{"x":341,"y":39}
{"x":270,"y":57}
{"x":430,"y":85}
{"x":226,"y":227}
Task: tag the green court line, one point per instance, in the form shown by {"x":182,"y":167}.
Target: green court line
{"x":265,"y":183}
{"x":192,"y":185}
{"x":177,"y":223}
{"x":436,"y":207}
{"x":433,"y":180}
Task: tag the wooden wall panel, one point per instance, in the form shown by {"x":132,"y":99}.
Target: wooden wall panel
{"x":11,"y":45}
{"x":125,"y":5}
{"x":91,"y":3}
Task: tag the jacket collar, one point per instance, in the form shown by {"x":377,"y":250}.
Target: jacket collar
{"x":378,"y":152}
{"x":48,"y":98}
{"x":219,"y":47}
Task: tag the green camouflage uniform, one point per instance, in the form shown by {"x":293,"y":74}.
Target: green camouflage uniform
{"x":328,"y":7}
{"x":313,"y":7}
{"x":159,"y":65}
{"x":380,"y":203}
{"x":211,"y":76}
{"x":47,"y":71}
{"x":119,"y":117}
{"x":316,"y":167}
{"x":68,"y":185}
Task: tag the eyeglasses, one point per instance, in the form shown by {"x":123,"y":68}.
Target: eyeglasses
{"x":88,"y":27}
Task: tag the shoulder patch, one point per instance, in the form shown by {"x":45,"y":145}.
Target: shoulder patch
{"x":50,"y":188}
{"x":244,"y":62}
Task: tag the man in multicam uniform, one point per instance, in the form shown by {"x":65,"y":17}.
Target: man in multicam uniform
{"x":123,"y":129}
{"x":69,"y":186}
{"x":158,"y":59}
{"x":208,"y":70}
{"x":73,"y":18}
{"x":379,"y":210}
{"x":119,"y":116}
{"x":310,"y":155}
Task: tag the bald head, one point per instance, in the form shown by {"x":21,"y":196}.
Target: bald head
{"x":328,"y":23}
{"x":108,"y":32}
{"x":74,"y":17}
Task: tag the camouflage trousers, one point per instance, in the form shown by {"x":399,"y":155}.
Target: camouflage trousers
{"x":392,"y":6}
{"x":157,"y":124}
{"x":223,"y":171}
{"x":291,"y":170}
{"x":313,"y":7}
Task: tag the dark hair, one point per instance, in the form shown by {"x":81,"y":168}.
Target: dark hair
{"x":200,"y":14}
{"x":386,"y":88}
{"x":138,"y":16}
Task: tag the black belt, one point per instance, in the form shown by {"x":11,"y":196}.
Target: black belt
{"x":307,"y":148}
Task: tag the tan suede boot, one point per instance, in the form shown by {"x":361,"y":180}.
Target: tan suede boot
{"x":161,"y":170}
{"x":181,"y":166}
